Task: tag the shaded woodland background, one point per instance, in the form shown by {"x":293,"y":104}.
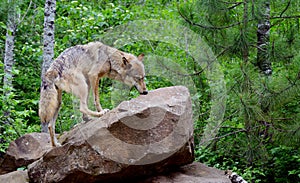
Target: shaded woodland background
{"x":256,"y":43}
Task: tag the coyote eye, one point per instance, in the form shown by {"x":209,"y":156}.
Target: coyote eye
{"x":139,"y":78}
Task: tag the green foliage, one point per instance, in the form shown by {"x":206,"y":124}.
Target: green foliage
{"x":14,"y":117}
{"x":286,"y":161}
{"x":80,"y":22}
{"x":283,"y":164}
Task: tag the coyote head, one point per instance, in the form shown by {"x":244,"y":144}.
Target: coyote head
{"x":135,"y":73}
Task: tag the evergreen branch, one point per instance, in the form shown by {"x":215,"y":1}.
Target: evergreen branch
{"x":276,"y":95}
{"x":292,"y":84}
{"x":205,"y":26}
{"x":266,"y":124}
{"x":295,"y":131}
{"x":180,"y":74}
{"x":281,"y":130}
{"x":192,"y":74}
{"x":231,"y":133}
{"x":286,"y":131}
{"x":204,"y":113}
{"x":282,"y":119}
{"x":253,"y":8}
{"x":223,"y":51}
{"x":231,"y":115}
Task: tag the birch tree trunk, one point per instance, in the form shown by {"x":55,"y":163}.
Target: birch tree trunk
{"x":48,"y":51}
{"x":12,"y":18}
{"x":263,"y":39}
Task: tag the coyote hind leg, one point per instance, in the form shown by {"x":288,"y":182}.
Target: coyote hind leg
{"x":95,"y":86}
{"x":53,"y":138}
{"x":86,"y":117}
{"x":51,"y":125}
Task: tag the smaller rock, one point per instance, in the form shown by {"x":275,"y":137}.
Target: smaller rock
{"x":192,"y":173}
{"x":19,"y":176}
{"x":24,"y":151}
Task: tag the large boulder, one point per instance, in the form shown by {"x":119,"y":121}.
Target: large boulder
{"x":143,"y":136}
{"x":24,"y":151}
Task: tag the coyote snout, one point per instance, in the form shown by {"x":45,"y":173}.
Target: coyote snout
{"x":135,"y":74}
{"x":141,"y":87}
{"x":77,"y":70}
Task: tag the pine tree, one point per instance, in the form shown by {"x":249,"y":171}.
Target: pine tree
{"x":240,"y":33}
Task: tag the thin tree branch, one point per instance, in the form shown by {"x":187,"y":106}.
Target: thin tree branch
{"x":21,"y":20}
{"x":226,"y":2}
{"x":235,"y":5}
{"x":285,"y":17}
{"x":287,"y":6}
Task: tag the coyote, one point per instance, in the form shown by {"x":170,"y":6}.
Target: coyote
{"x":79,"y":69}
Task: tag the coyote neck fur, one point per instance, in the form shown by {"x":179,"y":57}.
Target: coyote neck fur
{"x":116,"y":67}
{"x":113,"y":71}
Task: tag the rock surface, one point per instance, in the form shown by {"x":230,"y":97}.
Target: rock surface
{"x":192,"y":173}
{"x":24,"y":151}
{"x":15,"y":177}
{"x":143,"y":136}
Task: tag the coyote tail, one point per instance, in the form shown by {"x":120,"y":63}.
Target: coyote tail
{"x":49,"y":100}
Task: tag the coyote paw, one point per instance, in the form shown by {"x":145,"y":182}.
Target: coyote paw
{"x":104,"y":111}
{"x":86,"y":118}
{"x":101,"y":113}
{"x":57,"y":144}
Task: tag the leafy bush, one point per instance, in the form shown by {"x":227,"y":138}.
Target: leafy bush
{"x":13,"y":118}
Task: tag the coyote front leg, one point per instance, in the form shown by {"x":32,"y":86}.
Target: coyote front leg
{"x":81,"y":90}
{"x":95,"y":88}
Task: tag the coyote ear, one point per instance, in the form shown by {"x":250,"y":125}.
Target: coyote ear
{"x":125,"y":61}
{"x":141,"y":57}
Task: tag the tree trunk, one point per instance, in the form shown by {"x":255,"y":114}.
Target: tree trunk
{"x":9,"y":61}
{"x":48,"y":52}
{"x":263,"y":39}
{"x":9,"y":47}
